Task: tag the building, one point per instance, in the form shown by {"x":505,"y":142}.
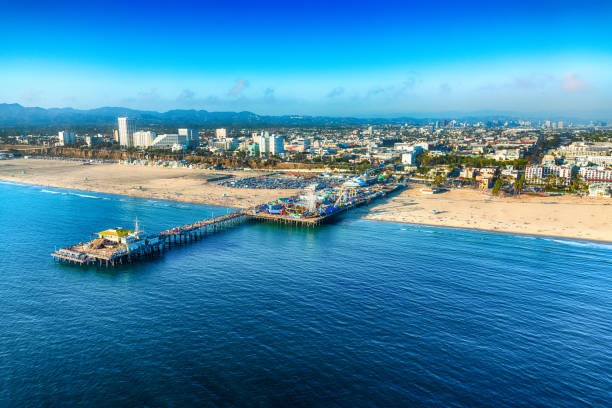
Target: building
{"x":144,"y":138}
{"x":94,"y":140}
{"x":537,"y":174}
{"x":170,"y":141}
{"x":221,"y":133}
{"x":270,"y":144}
{"x":65,"y":138}
{"x":276,"y":144}
{"x":228,"y":143}
{"x":114,"y":234}
{"x":468,"y":173}
{"x":126,"y":131}
{"x":596,"y":174}
{"x":193,"y":138}
{"x":600,"y":190}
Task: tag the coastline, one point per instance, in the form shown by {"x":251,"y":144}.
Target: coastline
{"x":522,"y":234}
{"x":586,"y":219}
{"x":172,"y":184}
{"x":583,"y":218}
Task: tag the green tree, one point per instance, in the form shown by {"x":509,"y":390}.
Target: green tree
{"x":496,"y":186}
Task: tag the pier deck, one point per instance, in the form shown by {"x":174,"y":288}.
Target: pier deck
{"x":85,"y":253}
{"x":111,"y":255}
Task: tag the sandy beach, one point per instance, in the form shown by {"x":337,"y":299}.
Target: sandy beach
{"x":179,"y":184}
{"x":569,"y":217}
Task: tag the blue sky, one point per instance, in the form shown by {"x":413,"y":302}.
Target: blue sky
{"x":310,"y":57}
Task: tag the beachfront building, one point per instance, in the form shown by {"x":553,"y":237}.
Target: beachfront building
{"x":170,"y":141}
{"x":126,"y":131}
{"x":600,"y":190}
{"x":596,"y":174}
{"x":193,"y":139}
{"x":65,"y":138}
{"x":144,"y":138}
{"x":538,"y":174}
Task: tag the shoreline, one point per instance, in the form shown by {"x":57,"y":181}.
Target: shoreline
{"x":522,"y":234}
{"x":363,"y":216}
{"x":580,"y":218}
{"x":133,"y":195}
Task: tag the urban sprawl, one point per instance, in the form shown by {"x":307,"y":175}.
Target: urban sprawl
{"x":506,"y":158}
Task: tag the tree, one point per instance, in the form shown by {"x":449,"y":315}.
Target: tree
{"x":496,"y":186}
{"x":519,"y":183}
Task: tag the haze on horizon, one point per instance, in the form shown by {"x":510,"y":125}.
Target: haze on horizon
{"x":317,"y":58}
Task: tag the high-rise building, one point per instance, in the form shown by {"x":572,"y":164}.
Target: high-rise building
{"x":560,"y":125}
{"x":126,"y":131}
{"x":221,"y":133}
{"x":276,"y":144}
{"x":65,"y":138}
{"x":192,"y":136}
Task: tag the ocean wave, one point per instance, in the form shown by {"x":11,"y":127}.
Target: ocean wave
{"x":50,"y":191}
{"x":581,"y":244}
{"x":85,"y":195}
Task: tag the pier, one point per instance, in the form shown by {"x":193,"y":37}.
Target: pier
{"x":315,"y":220}
{"x":119,"y":246}
{"x":102,"y":253}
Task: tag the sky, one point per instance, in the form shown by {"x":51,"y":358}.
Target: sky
{"x":375,"y":58}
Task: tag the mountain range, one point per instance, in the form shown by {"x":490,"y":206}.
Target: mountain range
{"x":17,"y":116}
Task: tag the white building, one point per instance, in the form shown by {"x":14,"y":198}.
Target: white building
{"x":126,"y":131}
{"x":221,"y":133}
{"x":537,"y":174}
{"x":410,"y":153}
{"x":65,"y":138}
{"x":270,"y":144}
{"x":170,"y":141}
{"x":144,"y":138}
{"x":600,"y":190}
{"x":596,"y":174}
{"x":277,"y":144}
{"x":193,"y":138}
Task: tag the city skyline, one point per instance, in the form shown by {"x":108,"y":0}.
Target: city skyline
{"x":321,"y":59}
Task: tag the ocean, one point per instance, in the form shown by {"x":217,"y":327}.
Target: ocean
{"x":353,"y":314}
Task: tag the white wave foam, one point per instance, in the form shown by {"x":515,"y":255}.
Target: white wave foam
{"x":581,"y":244}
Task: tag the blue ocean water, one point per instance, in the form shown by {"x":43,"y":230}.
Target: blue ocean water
{"x":358,"y":313}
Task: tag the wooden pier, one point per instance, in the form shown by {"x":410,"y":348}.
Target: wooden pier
{"x":321,"y":219}
{"x":102,"y":253}
{"x":148,"y":247}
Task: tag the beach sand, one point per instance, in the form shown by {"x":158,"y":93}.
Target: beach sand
{"x":570,"y":217}
{"x":180,"y":184}
{"x":560,"y":216}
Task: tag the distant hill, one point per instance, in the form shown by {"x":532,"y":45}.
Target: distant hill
{"x":17,"y":116}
